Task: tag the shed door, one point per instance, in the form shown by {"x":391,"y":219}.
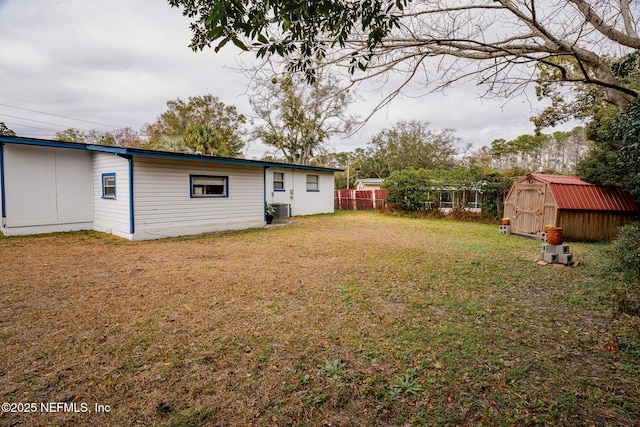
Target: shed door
{"x":529,"y":207}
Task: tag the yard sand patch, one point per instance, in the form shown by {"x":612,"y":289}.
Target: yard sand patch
{"x":345,"y":319}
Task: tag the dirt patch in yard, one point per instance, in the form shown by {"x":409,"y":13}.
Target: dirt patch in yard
{"x":346,"y":319}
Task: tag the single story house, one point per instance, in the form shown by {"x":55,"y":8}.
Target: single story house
{"x":50,"y":186}
{"x":368,"y":183}
{"x":450,"y":197}
{"x":584,"y":211}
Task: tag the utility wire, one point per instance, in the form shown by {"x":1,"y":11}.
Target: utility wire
{"x":57,"y":115}
{"x":36,"y":121}
{"x":27,"y":126}
{"x":52,"y":107}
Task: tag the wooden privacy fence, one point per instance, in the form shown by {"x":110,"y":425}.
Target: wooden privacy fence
{"x":346,"y":199}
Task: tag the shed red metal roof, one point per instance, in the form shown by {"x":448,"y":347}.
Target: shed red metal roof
{"x":570,"y":192}
{"x":592,"y":197}
{"x":558,"y":179}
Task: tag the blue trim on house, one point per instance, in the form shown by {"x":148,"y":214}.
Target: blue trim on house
{"x":158,"y":154}
{"x":115,"y":184}
{"x":279,"y":190}
{"x":42,"y":142}
{"x":2,"y":198}
{"x":132,"y":220}
{"x":264,"y":190}
{"x":317,"y":182}
{"x":209,"y":196}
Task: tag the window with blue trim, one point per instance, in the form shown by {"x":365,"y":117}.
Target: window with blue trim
{"x":278,"y":181}
{"x":313,"y":183}
{"x":108,"y":185}
{"x":209,"y":186}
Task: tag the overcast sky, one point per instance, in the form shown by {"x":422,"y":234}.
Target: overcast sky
{"x":113,"y":63}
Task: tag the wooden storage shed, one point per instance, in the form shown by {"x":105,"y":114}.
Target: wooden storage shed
{"x":584,"y":211}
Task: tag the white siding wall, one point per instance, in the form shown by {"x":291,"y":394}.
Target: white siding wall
{"x":46,"y":190}
{"x":164,"y":206}
{"x":286,"y":196}
{"x":111,"y":215}
{"x":302,"y":202}
{"x":51,"y":189}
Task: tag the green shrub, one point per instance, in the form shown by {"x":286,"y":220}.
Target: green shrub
{"x":408,"y":189}
{"x":624,"y":258}
{"x":625,"y":252}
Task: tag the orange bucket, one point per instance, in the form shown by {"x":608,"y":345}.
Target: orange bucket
{"x":554,"y":236}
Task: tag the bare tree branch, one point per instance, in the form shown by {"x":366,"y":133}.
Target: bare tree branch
{"x":626,"y":39}
{"x":627,"y":18}
{"x":499,"y":42}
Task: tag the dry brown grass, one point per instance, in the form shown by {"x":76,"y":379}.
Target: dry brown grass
{"x":309,"y":324}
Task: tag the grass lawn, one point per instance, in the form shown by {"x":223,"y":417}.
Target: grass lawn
{"x":351,"y":319}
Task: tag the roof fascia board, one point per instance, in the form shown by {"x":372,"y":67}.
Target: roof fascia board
{"x":42,"y":142}
{"x":212,"y":159}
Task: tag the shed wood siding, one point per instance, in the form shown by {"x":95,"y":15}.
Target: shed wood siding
{"x":550,"y":209}
{"x":111,"y":215}
{"x":591,"y":225}
{"x":164,"y":206}
{"x":526,"y":207}
{"x":46,"y":190}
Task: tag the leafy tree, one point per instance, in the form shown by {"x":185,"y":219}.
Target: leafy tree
{"x":495,"y":41}
{"x":346,"y":161}
{"x":624,"y":254}
{"x":94,"y":136}
{"x":494,"y":187}
{"x":206,"y":111}
{"x":207,"y":140}
{"x":623,"y":258}
{"x":123,"y":137}
{"x":408,"y":144}
{"x":586,"y":102}
{"x":559,"y":152}
{"x":600,"y":166}
{"x":173,"y":143}
{"x":127,"y":137}
{"x":299,"y":118}
{"x":481,"y":157}
{"x":615,"y":159}
{"x":626,"y":129}
{"x":5,"y":131}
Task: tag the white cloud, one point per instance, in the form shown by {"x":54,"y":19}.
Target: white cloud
{"x":118,"y":62}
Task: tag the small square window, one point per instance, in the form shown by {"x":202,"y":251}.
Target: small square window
{"x":209,"y":186}
{"x":313,"y":183}
{"x":108,"y":185}
{"x":278,"y":181}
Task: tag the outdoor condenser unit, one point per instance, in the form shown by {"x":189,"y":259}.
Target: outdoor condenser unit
{"x":281,"y":210}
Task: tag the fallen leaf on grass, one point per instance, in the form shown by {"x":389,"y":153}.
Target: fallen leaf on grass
{"x":612,"y":346}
